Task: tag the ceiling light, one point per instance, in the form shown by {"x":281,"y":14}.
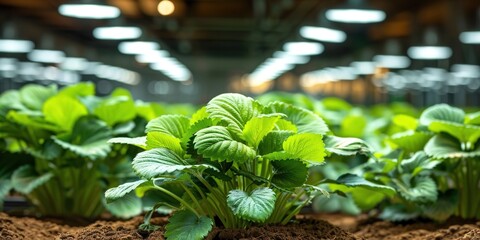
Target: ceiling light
{"x":355,"y":15}
{"x":117,"y":33}
{"x":466,"y":70}
{"x":15,"y":46}
{"x":292,"y":59}
{"x":165,"y":7}
{"x":303,"y":48}
{"x":152,"y":56}
{"x":323,"y":34}
{"x":470,"y":37}
{"x":137,"y":47}
{"x":46,"y":56}
{"x":392,"y":61}
{"x":429,"y":52}
{"x":363,"y":67}
{"x":89,"y":11}
{"x":74,"y":64}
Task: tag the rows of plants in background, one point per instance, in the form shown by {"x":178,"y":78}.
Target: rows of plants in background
{"x":54,"y":147}
{"x":235,"y":163}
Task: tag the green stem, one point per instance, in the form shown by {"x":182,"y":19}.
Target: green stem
{"x":179,"y":199}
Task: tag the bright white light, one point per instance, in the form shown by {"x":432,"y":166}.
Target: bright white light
{"x":74,"y":64}
{"x":15,"y":46}
{"x":346,"y":73}
{"x":152,"y":56}
{"x":429,"y":52}
{"x":466,"y":71}
{"x":117,"y":33}
{"x":303,"y":48}
{"x":292,"y":59}
{"x":470,"y":37}
{"x":46,"y":56}
{"x":137,"y":47}
{"x":172,"y":68}
{"x":8,"y":64}
{"x":392,"y":61}
{"x":165,"y":7}
{"x":89,"y":11}
{"x":363,"y":67}
{"x":355,"y":15}
{"x":323,"y":34}
{"x":117,"y":74}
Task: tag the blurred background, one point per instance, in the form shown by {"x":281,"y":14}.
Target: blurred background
{"x":418,"y":51}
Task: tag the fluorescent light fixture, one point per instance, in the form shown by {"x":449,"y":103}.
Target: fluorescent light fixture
{"x":303,"y":48}
{"x":429,"y":52}
{"x":152,"y":56}
{"x":15,"y":46}
{"x":89,"y":11}
{"x":323,"y":34}
{"x":46,"y":56}
{"x":8,"y":64}
{"x":346,"y":73}
{"x":137,"y":47}
{"x":472,"y":37}
{"x":117,"y":33}
{"x":74,"y":64}
{"x":466,"y":71}
{"x":363,"y":67}
{"x":392,"y":61}
{"x":172,"y":68}
{"x":289,"y":58}
{"x":355,"y":15}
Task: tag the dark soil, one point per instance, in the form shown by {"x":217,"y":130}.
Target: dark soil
{"x":328,"y":226}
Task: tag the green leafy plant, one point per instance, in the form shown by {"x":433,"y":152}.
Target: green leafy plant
{"x":234,"y":163}
{"x":456,"y":143}
{"x":65,"y":133}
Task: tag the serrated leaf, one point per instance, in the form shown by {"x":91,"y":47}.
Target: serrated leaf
{"x":160,"y":161}
{"x":217,"y":143}
{"x":464,"y":133}
{"x":194,"y":128}
{"x":80,"y":89}
{"x":305,"y":120}
{"x":273,"y":141}
{"x":285,"y":125}
{"x":353,"y":181}
{"x":417,"y":163}
{"x":117,"y":108}
{"x":186,"y":225}
{"x":442,"y":112}
{"x":31,"y":121}
{"x":125,"y":207}
{"x":345,"y":146}
{"x":289,"y":173}
{"x":123,"y":128}
{"x":116,"y":193}
{"x":25,"y":179}
{"x":422,"y":190}
{"x":308,"y":147}
{"x":257,"y":128}
{"x":443,"y":208}
{"x":160,"y":139}
{"x":233,"y":108}
{"x":137,"y":141}
{"x":63,"y":111}
{"x":446,"y":147}
{"x":410,"y":141}
{"x":88,"y":138}
{"x":33,"y":95}
{"x":256,"y":206}
{"x":199,"y":115}
{"x":175,"y":125}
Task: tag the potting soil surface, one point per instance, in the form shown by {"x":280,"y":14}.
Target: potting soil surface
{"x":324,"y":226}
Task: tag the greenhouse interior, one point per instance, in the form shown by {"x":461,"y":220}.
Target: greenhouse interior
{"x":239,"y":119}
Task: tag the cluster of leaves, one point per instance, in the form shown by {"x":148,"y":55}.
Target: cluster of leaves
{"x":235,"y":162}
{"x":54,"y":146}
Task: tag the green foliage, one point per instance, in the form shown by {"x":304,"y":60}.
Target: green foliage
{"x":186,"y":225}
{"x":256,"y":206}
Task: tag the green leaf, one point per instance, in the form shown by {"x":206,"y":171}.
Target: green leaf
{"x":175,"y":125}
{"x":116,"y":193}
{"x":285,"y":125}
{"x":353,"y":181}
{"x":30,"y":121}
{"x":125,"y":207}
{"x":442,"y":112}
{"x":464,"y":133}
{"x":335,"y":104}
{"x":217,"y":143}
{"x":417,"y":163}
{"x":81,"y":89}
{"x":233,"y":108}
{"x":123,"y":128}
{"x":5,"y":187}
{"x":422,"y":190}
{"x":186,"y":225}
{"x":308,"y":147}
{"x":33,"y":95}
{"x":305,"y":120}
{"x":366,"y":199}
{"x":289,"y":173}
{"x":273,"y":142}
{"x":410,"y":141}
{"x":353,"y":125}
{"x":163,"y":140}
{"x":88,"y":138}
{"x":473,"y":118}
{"x":117,"y":108}
{"x":25,"y":179}
{"x":443,"y":208}
{"x":63,"y":111}
{"x":140,"y":142}
{"x":257,"y":128}
{"x":256,"y":206}
{"x":446,"y":147}
{"x":405,"y":121}
{"x":345,"y":146}
{"x":199,"y":115}
{"x":398,"y":213}
{"x":160,"y":161}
